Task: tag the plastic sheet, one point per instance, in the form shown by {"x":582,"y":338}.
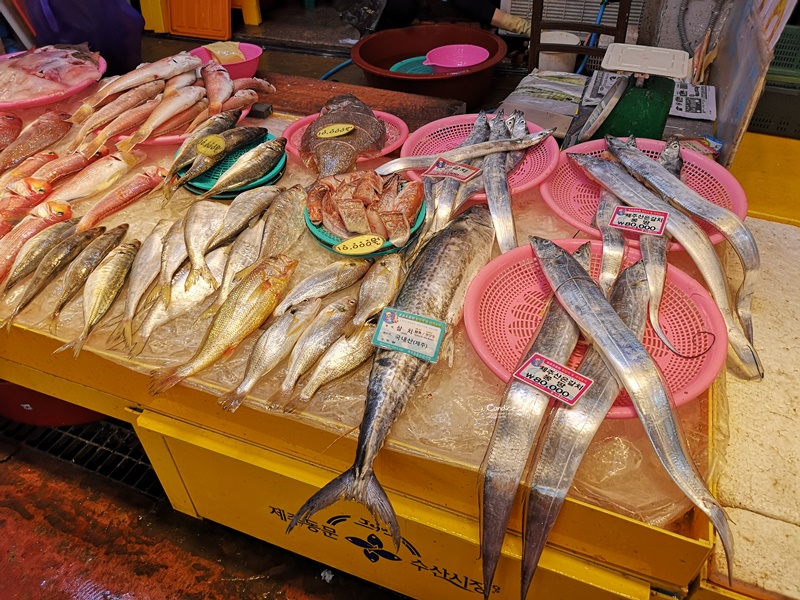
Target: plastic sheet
{"x":450,"y":417}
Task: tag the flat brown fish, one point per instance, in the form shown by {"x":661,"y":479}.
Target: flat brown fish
{"x":42,"y":133}
{"x":365,"y":135}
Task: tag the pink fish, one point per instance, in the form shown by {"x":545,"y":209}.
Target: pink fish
{"x":124,"y":195}
{"x":56,"y":170}
{"x":261,"y":86}
{"x":10,"y":126}
{"x":219,"y":86}
{"x":238,"y":100}
{"x":40,"y":134}
{"x":40,"y":217}
{"x":26,"y":168}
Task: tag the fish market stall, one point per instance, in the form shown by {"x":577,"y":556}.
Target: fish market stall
{"x":250,"y":460}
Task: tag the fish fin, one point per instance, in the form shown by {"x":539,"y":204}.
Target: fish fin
{"x":83,"y":113}
{"x":127,"y":331}
{"x":7,"y":323}
{"x":137,"y":347}
{"x":166,"y":294}
{"x":243,"y":273}
{"x":365,"y":490}
{"x":129,"y":143}
{"x":164,"y":379}
{"x":76,"y":345}
{"x":340,"y":438}
{"x":232,"y":400}
{"x":297,"y":404}
{"x":51,"y":322}
{"x":88,"y":149}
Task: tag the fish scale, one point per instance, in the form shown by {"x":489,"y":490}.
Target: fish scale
{"x":435,"y":287}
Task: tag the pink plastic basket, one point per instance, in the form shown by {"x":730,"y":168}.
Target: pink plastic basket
{"x":574,"y":197}
{"x":445,"y":134}
{"x":237,"y":70}
{"x":396,"y":133}
{"x":505,"y":302}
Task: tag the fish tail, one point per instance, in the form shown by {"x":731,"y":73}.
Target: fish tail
{"x":203,"y":273}
{"x":717,"y":516}
{"x":298,"y":402}
{"x":75,"y":345}
{"x":164,"y":379}
{"x":51,"y":322}
{"x":137,"y":347}
{"x":7,"y":323}
{"x":127,"y":144}
{"x":82,"y":113}
{"x":89,"y":148}
{"x":232,"y":400}
{"x":364,"y":489}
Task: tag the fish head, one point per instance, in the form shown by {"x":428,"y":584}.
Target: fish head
{"x":544,"y":249}
{"x":93,"y":232}
{"x":615,"y":144}
{"x":120,"y":230}
{"x":498,"y":125}
{"x":305,"y":311}
{"x":46,"y":155}
{"x":53,"y":209}
{"x":100,"y":152}
{"x":31,"y":187}
{"x":282,"y":265}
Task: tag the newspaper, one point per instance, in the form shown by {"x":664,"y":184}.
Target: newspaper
{"x":694,"y":101}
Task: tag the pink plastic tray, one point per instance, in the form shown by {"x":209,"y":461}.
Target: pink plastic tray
{"x":504,"y":308}
{"x":51,"y":98}
{"x":396,"y":133}
{"x":574,"y":197}
{"x":175,"y":139}
{"x":445,"y":134}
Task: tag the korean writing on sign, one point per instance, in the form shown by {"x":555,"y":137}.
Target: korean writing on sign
{"x":553,"y":379}
{"x":445,"y":168}
{"x":640,"y":220}
{"x":461,"y":581}
{"x":335,"y":130}
{"x":312,"y":526}
{"x":360,"y":244}
{"x":409,"y":333}
{"x":211,"y":145}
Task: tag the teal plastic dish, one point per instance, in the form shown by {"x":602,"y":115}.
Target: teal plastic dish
{"x":327,"y":240}
{"x":206,"y":181}
{"x":233,"y":193}
{"x":413,"y":66}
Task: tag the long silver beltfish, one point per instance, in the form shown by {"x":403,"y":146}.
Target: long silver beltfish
{"x":735,"y":231}
{"x":632,"y":365}
{"x":572,"y":428}
{"x":495,"y":180}
{"x":435,"y":287}
{"x":616,"y":179}
{"x":519,"y":418}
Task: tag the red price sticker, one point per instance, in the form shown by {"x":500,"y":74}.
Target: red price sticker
{"x":553,"y":379}
{"x":442,"y":167}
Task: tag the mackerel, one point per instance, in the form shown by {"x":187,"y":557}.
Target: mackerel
{"x":272,"y":347}
{"x":617,"y":180}
{"x":572,"y":428}
{"x":462,"y":154}
{"x":735,"y":231}
{"x":522,"y":409}
{"x":634,"y":368}
{"x":435,"y":287}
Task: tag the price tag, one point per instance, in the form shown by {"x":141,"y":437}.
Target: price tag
{"x":360,"y":244}
{"x":640,"y":220}
{"x":409,"y":333}
{"x":553,"y":379}
{"x":211,"y":145}
{"x":335,"y":130}
{"x":445,"y":168}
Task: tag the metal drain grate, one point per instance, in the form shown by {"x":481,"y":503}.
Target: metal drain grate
{"x":109,"y":448}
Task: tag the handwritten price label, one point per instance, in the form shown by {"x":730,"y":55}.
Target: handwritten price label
{"x":553,"y":379}
{"x":640,"y":220}
{"x":360,"y":244}
{"x":211,"y":145}
{"x":335,"y":130}
{"x":409,"y":333}
{"x":445,"y":168}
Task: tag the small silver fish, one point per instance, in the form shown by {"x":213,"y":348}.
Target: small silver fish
{"x":284,"y":222}
{"x":336,"y":276}
{"x":242,"y":210}
{"x":272,"y":347}
{"x":379,"y":287}
{"x":202,"y":223}
{"x":173,"y":253}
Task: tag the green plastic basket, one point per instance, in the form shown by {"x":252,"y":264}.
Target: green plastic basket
{"x":327,"y":240}
{"x":776,"y":112}
{"x":784,"y":70}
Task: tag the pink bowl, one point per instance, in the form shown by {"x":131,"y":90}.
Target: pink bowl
{"x":455,"y":56}
{"x":237,"y":70}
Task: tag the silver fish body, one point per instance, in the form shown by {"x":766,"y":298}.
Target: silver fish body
{"x":83,"y":265}
{"x":617,"y":180}
{"x":342,"y":357}
{"x":379,"y":287}
{"x":249,"y":167}
{"x":495,"y":181}
{"x":173,"y":253}
{"x":522,"y":409}
{"x":325,"y":329}
{"x":572,"y":428}
{"x":144,"y":271}
{"x":101,"y":289}
{"x":336,"y":276}
{"x":202,"y":223}
{"x":735,"y":231}
{"x":284,"y":222}
{"x":35,"y":249}
{"x":613,"y":241}
{"x":435,"y":287}
{"x":242,"y":210}
{"x":628,"y":359}
{"x":272,"y":347}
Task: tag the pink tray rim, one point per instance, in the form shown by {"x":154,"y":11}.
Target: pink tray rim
{"x":720,"y":173}
{"x":550,"y":145}
{"x":51,"y":98}
{"x":383,"y":116}
{"x":715,"y":357}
